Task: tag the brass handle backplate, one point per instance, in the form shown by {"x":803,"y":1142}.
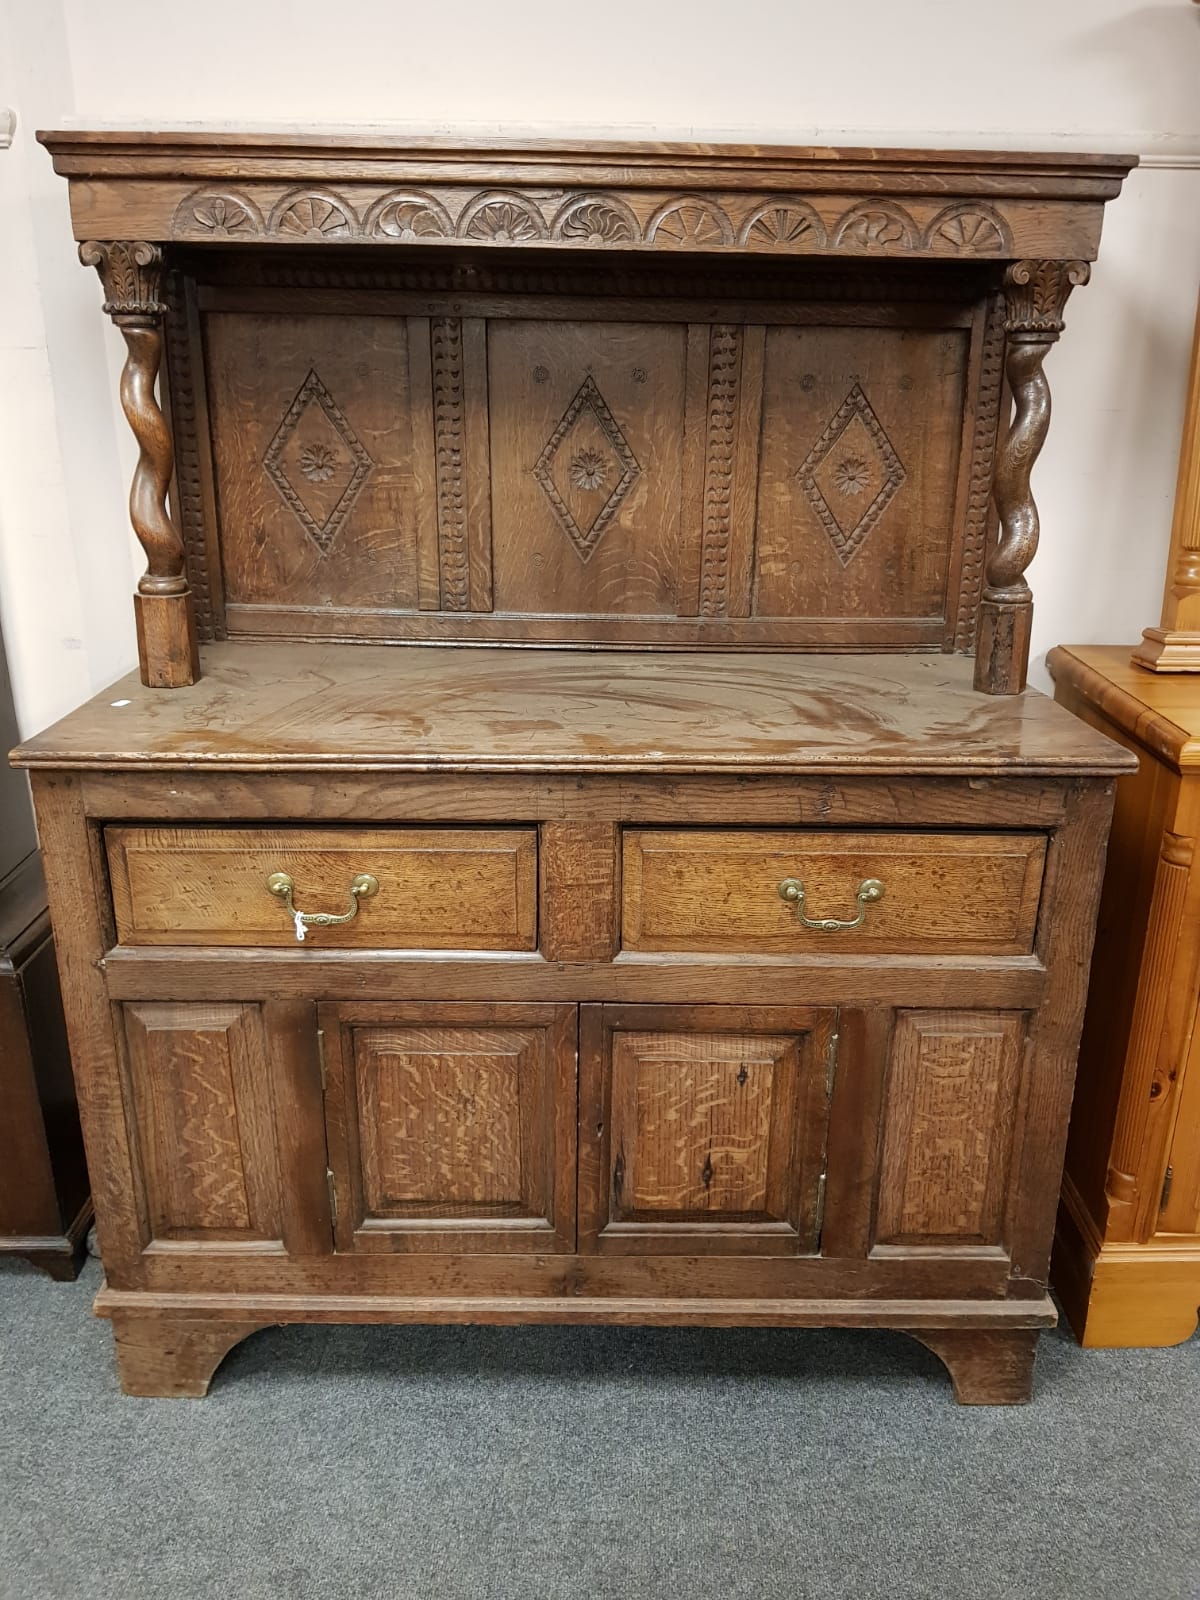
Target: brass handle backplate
{"x":281,"y":886}
{"x":869,"y":891}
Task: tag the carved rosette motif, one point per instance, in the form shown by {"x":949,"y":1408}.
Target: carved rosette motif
{"x":851,"y":475}
{"x":405,"y":214}
{"x":970,"y":228}
{"x":502,"y":218}
{"x":589,"y":454}
{"x":691,"y":222}
{"x":876,"y":225}
{"x":595,"y":220}
{"x":784,"y":224}
{"x":217,"y":214}
{"x":335,"y":462}
{"x":313,"y":215}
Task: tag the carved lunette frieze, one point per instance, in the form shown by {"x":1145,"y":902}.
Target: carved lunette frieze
{"x":1035,"y":294}
{"x":784,"y":224}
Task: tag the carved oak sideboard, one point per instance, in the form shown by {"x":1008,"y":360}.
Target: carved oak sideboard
{"x":579,"y":847}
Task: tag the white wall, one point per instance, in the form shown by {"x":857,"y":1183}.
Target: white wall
{"x":1099,"y":74}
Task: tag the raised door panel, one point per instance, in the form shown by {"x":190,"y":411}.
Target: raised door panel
{"x":861,"y":440}
{"x":317,"y":488}
{"x":587,"y":438}
{"x":702,"y":1128}
{"x":949,"y":1122}
{"x":202,"y":1108}
{"x":451,"y":1127}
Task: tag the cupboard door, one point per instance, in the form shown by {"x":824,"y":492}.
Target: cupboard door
{"x":224,"y":1103}
{"x":950,"y":1117}
{"x":702,"y":1128}
{"x":451,"y":1127}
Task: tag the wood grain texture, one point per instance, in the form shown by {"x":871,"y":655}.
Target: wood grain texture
{"x":566,"y":195}
{"x":707,"y":1126}
{"x":988,"y":1367}
{"x":267,"y":707}
{"x":76,"y":882}
{"x":740,"y":403}
{"x":1129,"y":1226}
{"x":948,"y":1128}
{"x":706,"y":891}
{"x":442,"y":889}
{"x":130,"y":271}
{"x":205,"y":1128}
{"x":451,"y":1127}
{"x":578,"y":910}
{"x":173,"y":1357}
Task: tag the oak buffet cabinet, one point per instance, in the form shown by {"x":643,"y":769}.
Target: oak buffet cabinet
{"x":579,"y":847}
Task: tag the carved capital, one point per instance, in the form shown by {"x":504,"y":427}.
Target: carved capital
{"x":131,"y":271}
{"x":1035,"y":293}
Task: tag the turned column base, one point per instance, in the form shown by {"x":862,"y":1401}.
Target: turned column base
{"x":1164,"y":650}
{"x":1002,"y":646}
{"x":987,"y":1366}
{"x":168,"y":654}
{"x":173,"y":1357}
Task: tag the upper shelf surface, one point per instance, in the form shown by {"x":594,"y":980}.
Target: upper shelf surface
{"x":284,"y":188}
{"x":295,"y":706}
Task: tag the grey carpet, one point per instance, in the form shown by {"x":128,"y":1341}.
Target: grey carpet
{"x":616,"y":1464}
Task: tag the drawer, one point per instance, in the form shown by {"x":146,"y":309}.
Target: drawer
{"x":435,"y":889}
{"x":886,"y":893}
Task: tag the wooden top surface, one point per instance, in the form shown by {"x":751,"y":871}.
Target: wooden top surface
{"x":288,"y":706}
{"x":126,"y":144}
{"x":1160,"y":710}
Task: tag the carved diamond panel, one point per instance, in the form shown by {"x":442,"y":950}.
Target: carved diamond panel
{"x":586,"y":468}
{"x":851,"y":475}
{"x":317,"y":462}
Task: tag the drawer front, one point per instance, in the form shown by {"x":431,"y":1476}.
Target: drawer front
{"x":898,"y":893}
{"x":434,"y":889}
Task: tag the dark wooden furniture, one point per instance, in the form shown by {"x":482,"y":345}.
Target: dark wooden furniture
{"x":1127,"y":1254}
{"x":45,"y":1207}
{"x":706,"y":943}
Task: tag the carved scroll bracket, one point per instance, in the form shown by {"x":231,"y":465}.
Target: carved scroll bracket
{"x":1035,"y":295}
{"x":131,"y":273}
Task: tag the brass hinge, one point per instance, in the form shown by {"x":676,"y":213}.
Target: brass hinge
{"x":831,"y":1063}
{"x":1166,"y":1189}
{"x":321,"y":1056}
{"x":331,"y":1185}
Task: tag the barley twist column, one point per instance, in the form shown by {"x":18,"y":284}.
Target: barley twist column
{"x":1035,"y":293}
{"x":131,"y":271}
